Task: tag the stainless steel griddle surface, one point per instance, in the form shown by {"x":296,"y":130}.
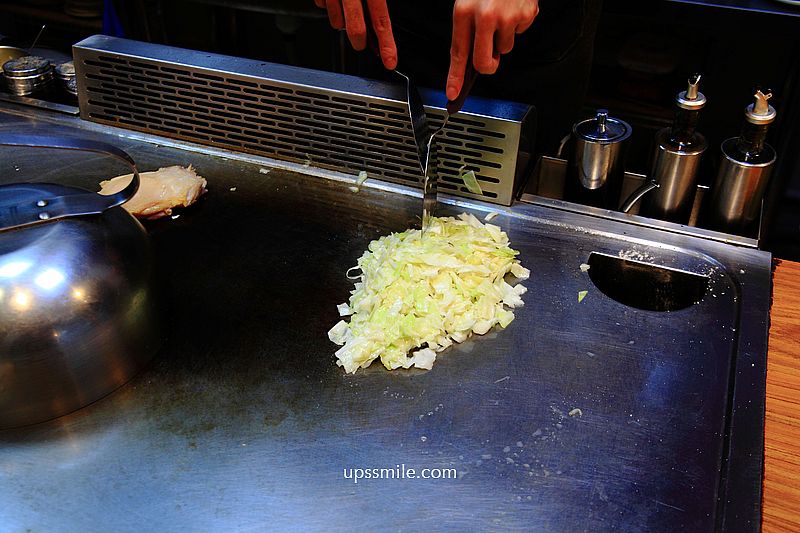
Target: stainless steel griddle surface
{"x":243,"y":420}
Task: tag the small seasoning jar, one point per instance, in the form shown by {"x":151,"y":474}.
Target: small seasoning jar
{"x":65,"y":72}
{"x":28,"y":75}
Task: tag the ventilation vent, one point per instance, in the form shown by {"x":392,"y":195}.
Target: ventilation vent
{"x":329,"y":120}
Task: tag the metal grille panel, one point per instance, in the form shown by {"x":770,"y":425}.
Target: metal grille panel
{"x":287,"y":113}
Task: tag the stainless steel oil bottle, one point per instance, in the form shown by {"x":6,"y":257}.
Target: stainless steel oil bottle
{"x":744,"y":172}
{"x":676,"y":160}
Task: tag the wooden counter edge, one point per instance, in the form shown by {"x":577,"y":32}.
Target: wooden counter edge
{"x":781,"y":500}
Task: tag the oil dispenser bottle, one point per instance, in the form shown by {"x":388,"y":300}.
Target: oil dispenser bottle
{"x":676,"y":159}
{"x":744,"y":171}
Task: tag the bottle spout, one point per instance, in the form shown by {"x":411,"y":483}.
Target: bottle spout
{"x":692,"y":98}
{"x":692,"y":90}
{"x":760,"y":112}
{"x":761,"y":107}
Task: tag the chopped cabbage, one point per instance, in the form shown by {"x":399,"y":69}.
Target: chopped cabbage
{"x":471,"y":181}
{"x":421,"y":294}
{"x":362,"y":177}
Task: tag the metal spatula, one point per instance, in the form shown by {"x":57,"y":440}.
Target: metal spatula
{"x":416,"y":109}
{"x":429,"y":199}
{"x":419,"y":121}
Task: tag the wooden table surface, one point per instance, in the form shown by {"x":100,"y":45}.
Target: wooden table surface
{"x":782,"y":432}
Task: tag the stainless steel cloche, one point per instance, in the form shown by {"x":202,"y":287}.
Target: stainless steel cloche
{"x":76,"y":296}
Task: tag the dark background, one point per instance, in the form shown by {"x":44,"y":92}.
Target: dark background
{"x":628,"y":56}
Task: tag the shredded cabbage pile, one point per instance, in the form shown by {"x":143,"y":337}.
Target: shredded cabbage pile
{"x":416,"y":294}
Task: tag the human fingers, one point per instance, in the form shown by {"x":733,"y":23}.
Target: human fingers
{"x":354,"y":23}
{"x":484,"y":57}
{"x":335,"y":15}
{"x":320,"y":3}
{"x":504,"y":39}
{"x":379,"y":15}
{"x":528,"y":16}
{"x":459,"y":52}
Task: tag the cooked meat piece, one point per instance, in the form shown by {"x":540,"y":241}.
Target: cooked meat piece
{"x":159,"y":191}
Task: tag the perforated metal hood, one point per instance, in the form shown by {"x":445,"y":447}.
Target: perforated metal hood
{"x":329,"y":120}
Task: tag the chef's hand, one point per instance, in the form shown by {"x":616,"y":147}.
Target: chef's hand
{"x":488,"y":28}
{"x":349,"y":15}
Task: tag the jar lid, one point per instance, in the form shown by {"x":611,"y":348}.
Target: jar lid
{"x":602,"y":129}
{"x":26,"y":66}
{"x":66,"y":70}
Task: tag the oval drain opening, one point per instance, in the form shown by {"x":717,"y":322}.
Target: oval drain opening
{"x":646,"y":286}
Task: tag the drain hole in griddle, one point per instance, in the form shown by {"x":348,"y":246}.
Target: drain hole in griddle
{"x":645,"y":286}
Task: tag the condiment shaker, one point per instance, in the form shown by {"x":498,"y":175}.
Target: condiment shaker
{"x":28,"y":75}
{"x":595,"y":170}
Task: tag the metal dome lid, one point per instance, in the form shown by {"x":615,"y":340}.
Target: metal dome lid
{"x":602,"y":129}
